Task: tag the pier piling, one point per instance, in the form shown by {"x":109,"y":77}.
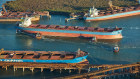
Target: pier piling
{"x":105,"y":71}
{"x":108,"y":72}
{"x":51,"y":70}
{"x":69,"y":71}
{"x":79,"y":71}
{"x":60,"y":71}
{"x":14,"y":69}
{"x":32,"y":69}
{"x":23,"y":69}
{"x":89,"y":70}
{"x":6,"y":68}
{"x":42,"y":69}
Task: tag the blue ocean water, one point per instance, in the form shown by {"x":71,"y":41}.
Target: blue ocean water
{"x":100,"y":52}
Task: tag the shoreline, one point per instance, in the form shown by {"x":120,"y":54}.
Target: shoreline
{"x":62,"y":8}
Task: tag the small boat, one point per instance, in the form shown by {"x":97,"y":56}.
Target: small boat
{"x":38,"y":36}
{"x":94,"y":39}
{"x":116,"y":49}
{"x":69,"y":31}
{"x":43,"y":56}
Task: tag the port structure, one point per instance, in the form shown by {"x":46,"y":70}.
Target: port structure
{"x":109,"y":72}
{"x":42,"y":66}
{"x":52,"y":66}
{"x":102,"y":71}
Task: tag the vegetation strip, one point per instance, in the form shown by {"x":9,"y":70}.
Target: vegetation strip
{"x":64,"y":5}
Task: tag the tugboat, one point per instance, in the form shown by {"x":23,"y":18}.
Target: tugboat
{"x":116,"y":49}
{"x":38,"y":36}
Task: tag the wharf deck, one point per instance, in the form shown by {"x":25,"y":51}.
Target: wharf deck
{"x":102,"y":72}
{"x":133,"y":68}
{"x":53,"y":66}
{"x":45,"y":65}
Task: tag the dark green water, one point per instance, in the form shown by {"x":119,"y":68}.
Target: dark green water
{"x":100,"y":53}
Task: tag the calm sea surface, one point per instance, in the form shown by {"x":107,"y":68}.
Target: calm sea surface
{"x":100,"y":53}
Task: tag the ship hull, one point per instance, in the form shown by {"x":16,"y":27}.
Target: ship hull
{"x":16,"y":19}
{"x":71,"y":33}
{"x":76,"y":60}
{"x":113,"y":16}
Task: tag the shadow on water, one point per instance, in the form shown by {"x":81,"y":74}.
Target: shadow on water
{"x":98,"y":61}
{"x":37,"y":74}
{"x":28,"y":42}
{"x":74,"y":39}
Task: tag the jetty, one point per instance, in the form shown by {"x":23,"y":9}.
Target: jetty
{"x":104,"y":71}
{"x":109,"y":72}
{"x":42,"y":66}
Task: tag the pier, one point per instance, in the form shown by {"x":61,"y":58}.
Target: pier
{"x":42,"y":66}
{"x":102,"y":71}
{"x":108,"y":72}
{"x":44,"y":13}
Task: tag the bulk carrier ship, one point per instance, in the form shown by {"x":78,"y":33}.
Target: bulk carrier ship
{"x":114,"y":12}
{"x":44,"y":56}
{"x":17,"y":16}
{"x":68,"y":31}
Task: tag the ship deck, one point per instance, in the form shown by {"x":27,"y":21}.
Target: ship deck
{"x":117,"y":11}
{"x":40,"y":55}
{"x":74,"y":28}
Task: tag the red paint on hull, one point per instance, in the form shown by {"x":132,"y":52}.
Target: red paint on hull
{"x":115,"y":17}
{"x":119,"y":36}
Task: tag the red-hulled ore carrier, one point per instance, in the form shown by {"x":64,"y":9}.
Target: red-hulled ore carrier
{"x":18,"y":16}
{"x":68,"y":31}
{"x":96,"y":15}
{"x":44,"y":56}
{"x":113,"y":12}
